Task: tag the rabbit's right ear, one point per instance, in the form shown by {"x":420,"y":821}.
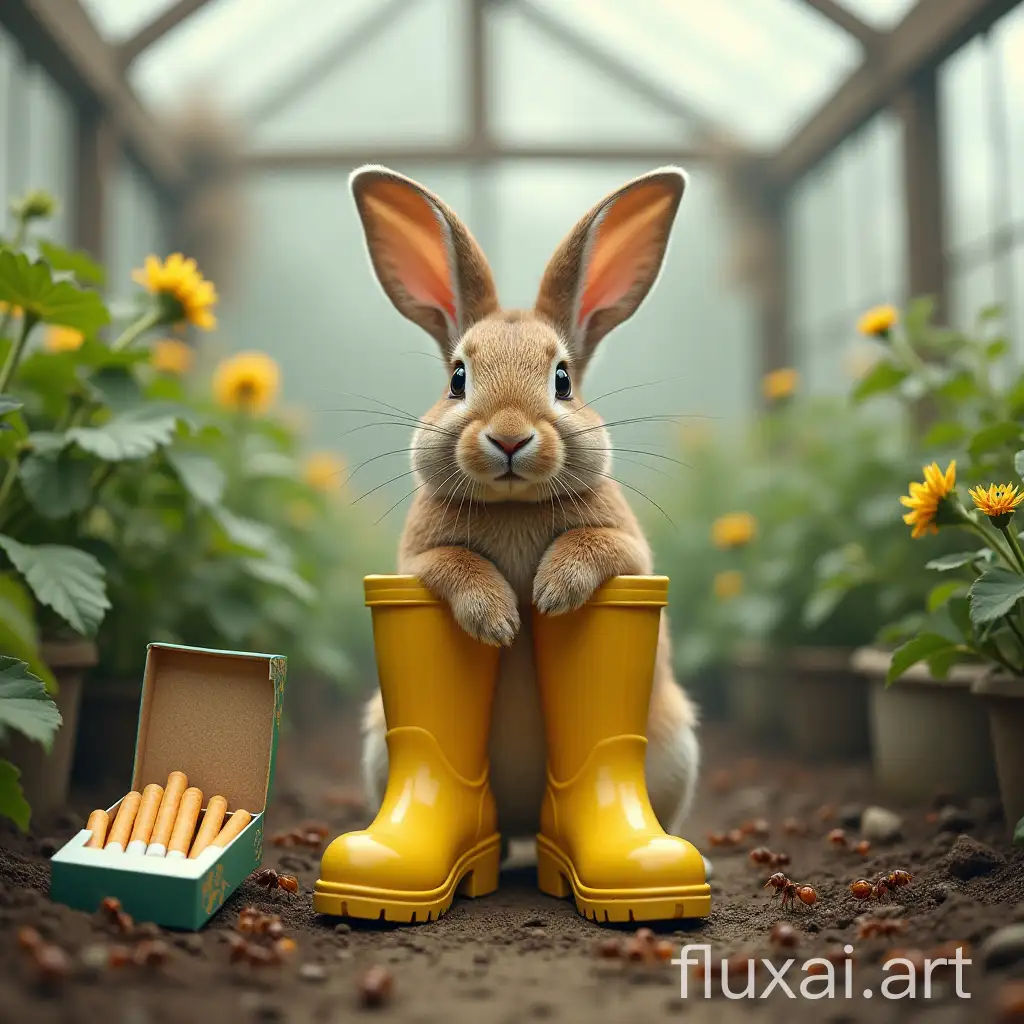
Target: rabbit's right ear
{"x":426,"y":260}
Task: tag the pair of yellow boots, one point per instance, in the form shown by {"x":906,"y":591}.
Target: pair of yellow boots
{"x":435,"y":834}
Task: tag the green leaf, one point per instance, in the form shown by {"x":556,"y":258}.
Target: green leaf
{"x":1018,"y":464}
{"x":246,"y":533}
{"x":996,"y":349}
{"x":994,"y":594}
{"x":70,"y":581}
{"x":954,"y":561}
{"x":57,"y":487}
{"x":116,"y":388}
{"x":280,"y":576}
{"x":996,"y":436}
{"x":959,"y":611}
{"x":47,"y":442}
{"x":18,"y":635}
{"x":24,"y":703}
{"x":919,"y":316}
{"x":941,"y":594}
{"x":821,"y":606}
{"x":913,"y":651}
{"x":132,"y":434}
{"x":13,"y":804}
{"x":71,"y":261}
{"x":991,"y":312}
{"x":31,"y":285}
{"x":200,"y":475}
{"x":883,"y":376}
{"x":8,"y":403}
{"x":945,"y":435}
{"x":1018,"y":832}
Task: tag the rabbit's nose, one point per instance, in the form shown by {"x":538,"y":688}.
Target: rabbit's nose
{"x":510,"y":445}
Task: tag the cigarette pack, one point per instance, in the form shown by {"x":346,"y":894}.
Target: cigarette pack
{"x":213,"y":716}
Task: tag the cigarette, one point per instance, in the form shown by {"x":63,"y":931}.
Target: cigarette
{"x":212,"y":821}
{"x":234,"y":826}
{"x":185,"y":823}
{"x":177,"y":783}
{"x":123,"y":821}
{"x":151,"y":797}
{"x":99,"y":822}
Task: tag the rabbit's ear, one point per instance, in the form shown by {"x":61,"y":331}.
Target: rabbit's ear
{"x":426,"y":260}
{"x":601,"y":272}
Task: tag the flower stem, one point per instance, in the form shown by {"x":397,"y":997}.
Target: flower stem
{"x":135,"y":330}
{"x":1011,"y":539}
{"x":991,"y":540}
{"x":8,"y":480}
{"x":14,"y":356}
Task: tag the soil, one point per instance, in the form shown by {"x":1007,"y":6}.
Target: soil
{"x":520,"y":956}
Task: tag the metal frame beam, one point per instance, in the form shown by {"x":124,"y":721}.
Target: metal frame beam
{"x":321,"y":159}
{"x":59,"y":35}
{"x":155,"y":30}
{"x":869,"y":37}
{"x":348,"y":45}
{"x":931,"y":31}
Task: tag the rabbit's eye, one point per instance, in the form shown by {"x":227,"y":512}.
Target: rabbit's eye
{"x":457,"y":388}
{"x":563,"y":383}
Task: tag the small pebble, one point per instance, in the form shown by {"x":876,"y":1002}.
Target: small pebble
{"x":881,"y":825}
{"x":1003,"y":947}
{"x":849,"y":815}
{"x":313,"y":972}
{"x":535,"y":922}
{"x":375,"y":987}
{"x":342,"y":928}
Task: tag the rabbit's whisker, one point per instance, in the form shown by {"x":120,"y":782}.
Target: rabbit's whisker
{"x":638,"y":451}
{"x":396,"y":451}
{"x":399,"y":423}
{"x":409,"y":494}
{"x":628,"y":387}
{"x":667,"y":418}
{"x":636,"y":490}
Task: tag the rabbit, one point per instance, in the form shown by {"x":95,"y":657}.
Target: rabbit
{"x":515,"y":504}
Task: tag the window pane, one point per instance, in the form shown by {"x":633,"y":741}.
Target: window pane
{"x":1008,"y":38}
{"x":970,"y":291}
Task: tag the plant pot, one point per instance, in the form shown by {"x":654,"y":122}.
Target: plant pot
{"x":45,"y":777}
{"x":108,"y":722}
{"x":755,"y":693}
{"x":1003,"y":699}
{"x":928,"y":736}
{"x":827,"y":702}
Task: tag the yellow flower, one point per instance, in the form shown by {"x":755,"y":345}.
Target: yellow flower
{"x":6,"y":309}
{"x":780,"y":384}
{"x":169,"y":355}
{"x":728,"y":585}
{"x":999,"y":502}
{"x":733,"y":530}
{"x":924,"y":499}
{"x":249,"y":381}
{"x":878,"y":322}
{"x":190,"y":296}
{"x":62,"y":339}
{"x":323,"y":470}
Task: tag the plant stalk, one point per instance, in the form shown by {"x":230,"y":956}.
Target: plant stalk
{"x":135,"y":330}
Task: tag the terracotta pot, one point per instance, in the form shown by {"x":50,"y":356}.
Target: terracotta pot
{"x":108,"y":723}
{"x":45,"y":777}
{"x":1003,"y":699}
{"x":826,"y":704}
{"x":755,"y":693}
{"x":928,"y":736}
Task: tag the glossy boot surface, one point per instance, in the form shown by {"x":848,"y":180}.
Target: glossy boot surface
{"x":435,"y":834}
{"x":600,"y":840}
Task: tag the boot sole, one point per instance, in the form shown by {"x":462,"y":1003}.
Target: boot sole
{"x":557,"y":877}
{"x":475,"y":874}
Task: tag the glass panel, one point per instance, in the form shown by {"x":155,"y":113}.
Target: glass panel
{"x":368,"y":99}
{"x":119,"y":19}
{"x":968,"y":149}
{"x":51,"y":148}
{"x":543,"y":92}
{"x":134,"y":227}
{"x":1015,"y":322}
{"x":9,"y":143}
{"x":883,"y":14}
{"x":1008,"y":40}
{"x":970,"y":291}
{"x":754,"y":67}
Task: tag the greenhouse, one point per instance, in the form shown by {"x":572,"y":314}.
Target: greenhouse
{"x":558,"y":462}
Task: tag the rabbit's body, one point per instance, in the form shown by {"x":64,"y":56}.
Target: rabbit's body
{"x":516,"y":506}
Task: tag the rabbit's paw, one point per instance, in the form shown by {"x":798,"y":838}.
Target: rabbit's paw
{"x":563,"y":585}
{"x":488,"y":612}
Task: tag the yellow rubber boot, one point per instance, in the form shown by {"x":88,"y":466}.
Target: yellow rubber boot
{"x":599,"y":838}
{"x":435,"y":833}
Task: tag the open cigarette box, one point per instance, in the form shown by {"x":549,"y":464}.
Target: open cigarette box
{"x":214,"y":717}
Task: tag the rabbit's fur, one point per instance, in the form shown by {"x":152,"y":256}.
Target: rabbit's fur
{"x":492,"y":531}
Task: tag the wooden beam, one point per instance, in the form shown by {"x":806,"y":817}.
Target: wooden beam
{"x":96,"y":156}
{"x":59,"y":35}
{"x":478,"y":73}
{"x":334,"y":159}
{"x":918,"y":109}
{"x":374,"y":24}
{"x":870,"y":38}
{"x":614,"y":68}
{"x":156,"y":29}
{"x":930,"y":32}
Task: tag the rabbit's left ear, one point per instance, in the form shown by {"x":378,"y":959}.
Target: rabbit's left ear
{"x":608,"y":263}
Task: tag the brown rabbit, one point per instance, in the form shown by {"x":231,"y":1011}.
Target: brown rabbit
{"x":515,"y":502}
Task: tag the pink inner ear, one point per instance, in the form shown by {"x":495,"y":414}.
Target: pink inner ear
{"x":423,"y":284}
{"x":608,"y":288}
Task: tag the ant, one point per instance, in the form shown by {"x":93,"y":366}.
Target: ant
{"x":761,"y":855}
{"x":873,"y":926}
{"x":882,"y":887}
{"x":838,"y":838}
{"x":272,"y":880}
{"x":790,"y":891}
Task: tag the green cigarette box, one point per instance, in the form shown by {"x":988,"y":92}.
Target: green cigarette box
{"x":216,"y":716}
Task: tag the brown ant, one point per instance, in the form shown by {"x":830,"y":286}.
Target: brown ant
{"x":272,"y":880}
{"x":873,"y":927}
{"x":882,"y":887}
{"x":790,"y":891}
{"x":838,"y":838}
{"x":762,"y":856}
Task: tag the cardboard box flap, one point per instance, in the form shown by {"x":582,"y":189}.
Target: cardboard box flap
{"x":212,"y":715}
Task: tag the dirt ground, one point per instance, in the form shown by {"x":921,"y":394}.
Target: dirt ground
{"x":520,"y":956}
